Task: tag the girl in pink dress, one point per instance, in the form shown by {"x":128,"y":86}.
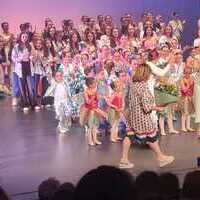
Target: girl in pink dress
{"x":115,"y":102}
{"x":90,"y":113}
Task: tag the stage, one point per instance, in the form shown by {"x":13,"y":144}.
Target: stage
{"x":31,"y":150}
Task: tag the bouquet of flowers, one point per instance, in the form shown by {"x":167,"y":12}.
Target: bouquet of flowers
{"x":166,"y":94}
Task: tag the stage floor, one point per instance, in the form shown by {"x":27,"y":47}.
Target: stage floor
{"x":31,"y":151}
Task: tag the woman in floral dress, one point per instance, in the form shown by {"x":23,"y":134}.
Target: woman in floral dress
{"x":140,"y":125}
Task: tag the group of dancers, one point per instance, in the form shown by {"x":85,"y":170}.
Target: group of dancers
{"x":100,"y":73}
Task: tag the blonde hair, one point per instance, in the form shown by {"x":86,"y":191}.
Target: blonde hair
{"x":142,"y":73}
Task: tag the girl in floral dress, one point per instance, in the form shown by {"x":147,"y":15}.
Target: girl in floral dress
{"x":77,"y":87}
{"x":67,"y":67}
{"x":141,"y":127}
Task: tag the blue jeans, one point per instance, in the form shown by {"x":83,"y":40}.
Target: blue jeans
{"x":15,"y":85}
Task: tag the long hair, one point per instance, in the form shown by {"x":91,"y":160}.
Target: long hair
{"x":74,"y":44}
{"x":23,"y":45}
{"x":168,"y":25}
{"x":145,"y":31}
{"x":87,"y":32}
{"x":52,"y":50}
{"x":135,"y":33}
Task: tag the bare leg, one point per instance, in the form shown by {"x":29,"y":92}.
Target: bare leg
{"x":90,"y":138}
{"x":183,"y":122}
{"x":156,"y":149}
{"x":125,"y":150}
{"x":163,"y":160}
{"x":94,"y":136}
{"x":114,"y":131}
{"x":162,"y":125}
{"x":188,"y":123}
{"x":170,"y":122}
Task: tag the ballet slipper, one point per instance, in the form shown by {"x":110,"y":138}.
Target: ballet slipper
{"x":184,"y":130}
{"x":163,"y":134}
{"x":91,"y":144}
{"x":190,"y":129}
{"x":126,"y":165}
{"x":98,"y":142}
{"x":113,"y":140}
{"x":173,"y":132}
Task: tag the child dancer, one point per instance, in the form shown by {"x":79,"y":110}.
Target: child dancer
{"x":62,"y":101}
{"x":187,"y":88}
{"x":116,"y":103}
{"x":90,"y":112}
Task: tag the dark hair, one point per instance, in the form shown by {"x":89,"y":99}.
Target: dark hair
{"x":135,"y":33}
{"x":191,"y":185}
{"x":147,"y":184}
{"x":52,"y":50}
{"x":87,"y":32}
{"x":54,"y":37}
{"x":3,"y":195}
{"x":105,"y":183}
{"x":22,"y":27}
{"x":169,"y":184}
{"x":168,"y":25}
{"x":74,"y":47}
{"x":113,"y":85}
{"x":89,"y":81}
{"x":47,"y":20}
{"x":47,"y":188}
{"x":3,"y":23}
{"x":26,"y":45}
{"x":145,"y":31}
{"x":64,"y":192}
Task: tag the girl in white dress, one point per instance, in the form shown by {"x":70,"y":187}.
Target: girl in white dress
{"x":62,"y":101}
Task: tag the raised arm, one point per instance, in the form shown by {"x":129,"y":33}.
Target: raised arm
{"x":158,"y":71}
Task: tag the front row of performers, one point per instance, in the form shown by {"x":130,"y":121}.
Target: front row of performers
{"x":103,"y":94}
